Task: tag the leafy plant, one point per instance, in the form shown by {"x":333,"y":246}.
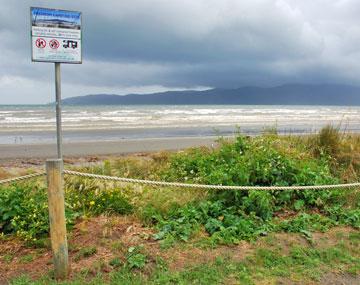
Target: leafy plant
{"x":304,"y":222}
{"x":24,"y":207}
{"x":88,"y":198}
{"x":85,"y":252}
{"x":135,"y":258}
{"x":24,"y":211}
{"x":115,"y":262}
{"x":229,"y":216}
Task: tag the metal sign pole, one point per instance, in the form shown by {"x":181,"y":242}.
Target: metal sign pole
{"x":58,"y":109}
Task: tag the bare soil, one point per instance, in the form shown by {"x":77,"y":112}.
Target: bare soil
{"x":112,"y":236}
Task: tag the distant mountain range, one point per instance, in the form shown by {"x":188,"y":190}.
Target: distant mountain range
{"x":290,"y":94}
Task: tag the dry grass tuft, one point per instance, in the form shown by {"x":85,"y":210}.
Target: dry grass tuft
{"x":329,"y":140}
{"x":4,"y":174}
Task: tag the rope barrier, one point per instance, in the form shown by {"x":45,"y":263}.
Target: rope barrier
{"x":19,"y":178}
{"x":203,"y":186}
{"x":185,"y":185}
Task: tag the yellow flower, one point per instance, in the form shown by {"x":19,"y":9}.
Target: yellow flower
{"x":92,"y":203}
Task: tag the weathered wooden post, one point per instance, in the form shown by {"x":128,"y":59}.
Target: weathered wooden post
{"x":54,"y":171}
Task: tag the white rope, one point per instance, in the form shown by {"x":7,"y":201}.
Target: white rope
{"x":203,"y":186}
{"x":185,"y":185}
{"x":19,"y":178}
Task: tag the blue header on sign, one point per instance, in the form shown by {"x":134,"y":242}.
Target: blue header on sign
{"x":55,"y":18}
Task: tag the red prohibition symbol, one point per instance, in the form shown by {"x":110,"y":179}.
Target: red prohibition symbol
{"x":54,"y":44}
{"x":40,"y":43}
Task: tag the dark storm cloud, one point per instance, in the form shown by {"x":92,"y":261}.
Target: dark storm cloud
{"x":154,"y":45}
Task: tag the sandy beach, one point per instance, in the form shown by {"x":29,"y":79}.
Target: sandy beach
{"x":77,"y":149}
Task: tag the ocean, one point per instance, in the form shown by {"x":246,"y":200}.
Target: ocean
{"x":36,"y":124}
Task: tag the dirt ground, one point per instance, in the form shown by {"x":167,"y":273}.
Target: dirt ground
{"x":110,"y":237}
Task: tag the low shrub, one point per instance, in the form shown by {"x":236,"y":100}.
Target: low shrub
{"x":306,"y":222}
{"x":24,"y":207}
{"x":95,"y":202}
{"x":24,"y":211}
{"x":345,"y":216}
{"x":230,"y":216}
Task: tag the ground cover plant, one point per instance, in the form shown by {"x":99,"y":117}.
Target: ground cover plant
{"x":231,"y":216}
{"x":209,"y":219}
{"x":285,"y":258}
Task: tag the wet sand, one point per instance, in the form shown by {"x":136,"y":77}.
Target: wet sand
{"x":78,"y":149}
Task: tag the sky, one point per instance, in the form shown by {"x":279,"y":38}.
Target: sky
{"x":139,"y":46}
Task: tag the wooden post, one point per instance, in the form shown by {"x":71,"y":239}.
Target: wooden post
{"x":54,"y":171}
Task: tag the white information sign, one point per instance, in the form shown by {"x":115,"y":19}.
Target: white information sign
{"x":55,"y":35}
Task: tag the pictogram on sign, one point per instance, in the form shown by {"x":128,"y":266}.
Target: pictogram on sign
{"x":54,"y":44}
{"x":40,"y":43}
{"x":55,"y":35}
{"x":70,"y":44}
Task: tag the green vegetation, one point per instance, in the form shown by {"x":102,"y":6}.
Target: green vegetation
{"x":231,"y":216}
{"x":24,"y":210}
{"x":85,"y":252}
{"x":302,"y":263}
{"x":135,"y":257}
{"x":227,"y":216}
{"x":209,"y":218}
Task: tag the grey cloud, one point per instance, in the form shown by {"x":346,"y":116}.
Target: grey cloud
{"x":189,"y":43}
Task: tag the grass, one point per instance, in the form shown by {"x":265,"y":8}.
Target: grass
{"x":27,"y":258}
{"x":85,"y":252}
{"x":270,"y":264}
{"x":8,"y":258}
{"x":179,"y":219}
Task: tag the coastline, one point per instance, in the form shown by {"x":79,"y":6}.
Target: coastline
{"x":43,"y":151}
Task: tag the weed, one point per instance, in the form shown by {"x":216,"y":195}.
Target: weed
{"x":85,"y":252}
{"x":304,"y":222}
{"x":87,"y":198}
{"x":24,"y":211}
{"x":115,"y":262}
{"x":135,"y":258}
{"x":354,"y":237}
{"x":99,"y":266}
{"x":8,"y":257}
{"x":27,"y":258}
{"x":117,"y":246}
{"x":231,"y":216}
